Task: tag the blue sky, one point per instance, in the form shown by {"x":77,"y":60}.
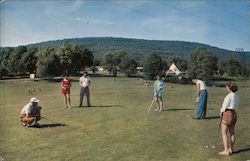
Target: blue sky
{"x":220,"y":23}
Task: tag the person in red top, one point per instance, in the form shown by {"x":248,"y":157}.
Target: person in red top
{"x":65,"y":85}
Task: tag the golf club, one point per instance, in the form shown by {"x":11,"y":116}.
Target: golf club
{"x":151,"y":104}
{"x":217,"y":138}
{"x":218,"y":132}
{"x":62,"y":124}
{"x":192,"y":114}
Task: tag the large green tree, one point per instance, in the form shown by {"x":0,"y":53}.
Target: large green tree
{"x":152,"y":65}
{"x":74,"y":57}
{"x":108,"y":60}
{"x":4,"y":60}
{"x":48,"y":63}
{"x":233,"y":66}
{"x":28,"y":61}
{"x":14,"y":63}
{"x":245,"y":69}
{"x":131,"y":65}
{"x":119,"y":59}
{"x":203,"y":64}
{"x":116,"y":59}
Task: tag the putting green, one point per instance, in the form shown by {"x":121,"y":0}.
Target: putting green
{"x":118,"y":126}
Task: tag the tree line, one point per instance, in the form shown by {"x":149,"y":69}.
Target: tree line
{"x":71,"y":58}
{"x":202,"y":63}
{"x":45,"y":61}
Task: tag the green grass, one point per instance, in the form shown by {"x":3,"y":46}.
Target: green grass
{"x":119,"y":127}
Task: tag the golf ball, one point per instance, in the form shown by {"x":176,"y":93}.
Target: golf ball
{"x":213,"y":147}
{"x":206,"y":146}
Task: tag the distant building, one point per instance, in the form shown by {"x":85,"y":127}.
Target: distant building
{"x":100,"y":68}
{"x":239,"y":49}
{"x":139,"y":69}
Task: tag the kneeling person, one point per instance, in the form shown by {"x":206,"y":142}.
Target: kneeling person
{"x":30,"y":114}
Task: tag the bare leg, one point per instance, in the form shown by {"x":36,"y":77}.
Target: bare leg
{"x":224,"y":130}
{"x":68,"y":98}
{"x":160,"y":103}
{"x":65,"y":101}
{"x":232,"y":137}
{"x":157,"y":104}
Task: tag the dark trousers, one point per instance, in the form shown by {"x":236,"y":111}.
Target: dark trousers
{"x":84,"y":90}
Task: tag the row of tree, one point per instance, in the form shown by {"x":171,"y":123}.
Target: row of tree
{"x":119,"y":60}
{"x":202,"y":63}
{"x":45,"y":61}
{"x":71,"y":58}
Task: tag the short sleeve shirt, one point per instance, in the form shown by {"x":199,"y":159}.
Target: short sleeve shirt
{"x":202,"y":84}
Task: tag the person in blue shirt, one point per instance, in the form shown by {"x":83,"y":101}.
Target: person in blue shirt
{"x":159,"y":85}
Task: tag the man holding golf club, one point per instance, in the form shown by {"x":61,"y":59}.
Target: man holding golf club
{"x":159,"y":85}
{"x":201,"y":98}
{"x":31,"y":113}
{"x":229,"y":118}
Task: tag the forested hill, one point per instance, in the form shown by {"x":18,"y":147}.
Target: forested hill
{"x":137,"y":48}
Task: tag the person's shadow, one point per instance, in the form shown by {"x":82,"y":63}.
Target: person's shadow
{"x":177,"y":109}
{"x":212,"y":117}
{"x":242,"y":150}
{"x":105,"y":106}
{"x":51,"y":125}
{"x":96,"y":106}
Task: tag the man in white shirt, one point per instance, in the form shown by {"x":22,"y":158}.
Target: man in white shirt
{"x":31,"y":113}
{"x":201,"y":100}
{"x":85,"y":83}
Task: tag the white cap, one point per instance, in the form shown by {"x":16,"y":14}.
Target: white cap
{"x":34,"y":99}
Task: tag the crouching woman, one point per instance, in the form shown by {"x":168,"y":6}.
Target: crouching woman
{"x":31,"y":113}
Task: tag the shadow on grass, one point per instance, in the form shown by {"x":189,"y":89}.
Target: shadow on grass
{"x":212,"y":117}
{"x":51,"y":125}
{"x":242,"y":150}
{"x":177,"y":109}
{"x":105,"y":106}
{"x":97,"y":106}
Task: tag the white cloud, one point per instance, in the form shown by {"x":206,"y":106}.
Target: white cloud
{"x":77,"y":4}
{"x":78,"y":19}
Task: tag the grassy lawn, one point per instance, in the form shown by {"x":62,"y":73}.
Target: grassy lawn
{"x":118,"y":127}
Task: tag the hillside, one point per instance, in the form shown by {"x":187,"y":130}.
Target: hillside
{"x":139,"y":47}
